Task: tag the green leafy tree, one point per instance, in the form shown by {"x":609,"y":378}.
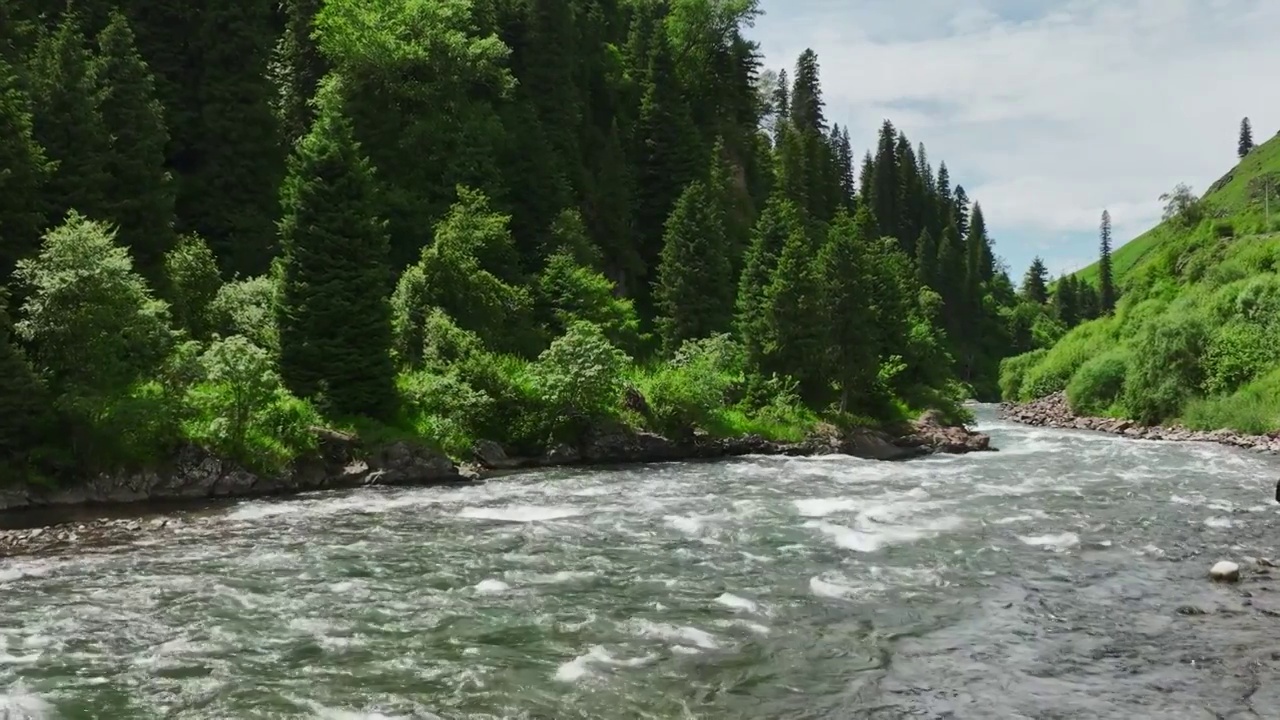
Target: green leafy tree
{"x":191,"y":285}
{"x":470,"y":272}
{"x":580,"y":377}
{"x":89,"y":321}
{"x":334,"y":317}
{"x":140,"y":198}
{"x":694,"y":292}
{"x":26,"y":419}
{"x":569,"y":292}
{"x":247,"y":308}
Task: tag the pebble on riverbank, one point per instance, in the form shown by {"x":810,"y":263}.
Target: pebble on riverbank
{"x":1225,"y":571}
{"x":1055,"y":411}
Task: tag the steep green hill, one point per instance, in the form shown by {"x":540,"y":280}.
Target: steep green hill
{"x":1196,"y":336}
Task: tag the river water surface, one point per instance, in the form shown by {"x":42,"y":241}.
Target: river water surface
{"x":1062,"y":577}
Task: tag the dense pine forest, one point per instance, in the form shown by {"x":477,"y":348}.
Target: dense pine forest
{"x":231,"y":223}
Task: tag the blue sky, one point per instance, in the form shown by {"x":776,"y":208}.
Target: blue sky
{"x":1047,"y":111}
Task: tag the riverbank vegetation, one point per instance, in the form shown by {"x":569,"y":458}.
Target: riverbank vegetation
{"x":1195,"y":338}
{"x":517,"y":220}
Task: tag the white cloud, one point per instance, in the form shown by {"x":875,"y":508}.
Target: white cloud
{"x":1046,"y":111}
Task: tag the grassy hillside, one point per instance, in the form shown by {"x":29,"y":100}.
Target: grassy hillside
{"x":1196,"y":337}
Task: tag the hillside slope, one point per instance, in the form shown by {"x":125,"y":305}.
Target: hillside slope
{"x":1196,"y":336}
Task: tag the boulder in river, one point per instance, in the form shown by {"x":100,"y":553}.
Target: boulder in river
{"x":1225,"y":571}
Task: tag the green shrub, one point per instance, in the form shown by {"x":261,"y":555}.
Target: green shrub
{"x":444,"y":343}
{"x":1098,"y":383}
{"x":1237,"y":353}
{"x":1224,"y":229}
{"x":192,"y":280}
{"x":247,"y":308}
{"x":444,"y":409}
{"x":1165,"y":368}
{"x":1254,"y":408}
{"x":1013,"y":372}
{"x":686,"y":393}
{"x":579,"y":379}
{"x":1052,"y":373}
{"x":240,"y":407}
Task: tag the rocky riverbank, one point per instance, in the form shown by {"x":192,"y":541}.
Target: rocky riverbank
{"x":67,"y":518}
{"x":1054,"y":411}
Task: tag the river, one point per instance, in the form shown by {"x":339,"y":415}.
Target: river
{"x":1062,"y":577}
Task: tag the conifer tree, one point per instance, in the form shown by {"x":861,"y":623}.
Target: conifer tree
{"x":866,"y":180}
{"x":298,"y":67}
{"x":774,"y":229}
{"x":848,"y":186}
{"x":22,"y":182}
{"x":334,"y":316}
{"x":68,"y":124}
{"x":927,"y":269}
{"x":693,"y":294}
{"x":911,"y":196}
{"x":665,"y":152}
{"x":1246,"y":139}
{"x":845,"y":290}
{"x":1106,"y":283}
{"x":795,"y":338}
{"x":230,"y":196}
{"x":1035,"y":284}
{"x":1065,"y":302}
{"x":975,"y":258}
{"x":951,"y":275}
{"x":140,"y":198}
{"x":886,"y":192}
{"x":960,"y":210}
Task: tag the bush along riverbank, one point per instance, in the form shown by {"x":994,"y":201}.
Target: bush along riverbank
{"x":1055,"y":411}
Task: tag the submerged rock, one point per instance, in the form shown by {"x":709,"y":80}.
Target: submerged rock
{"x":1225,"y":571}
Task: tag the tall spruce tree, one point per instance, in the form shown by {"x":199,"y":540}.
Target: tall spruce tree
{"x":975,"y":268}
{"x":298,"y":67}
{"x":795,"y":338}
{"x":1066,"y":303}
{"x":777,"y":225}
{"x":1106,"y":283}
{"x":960,"y":210}
{"x":845,"y":294}
{"x":1245,"y":146}
{"x":140,"y":198}
{"x":1035,"y":285}
{"x":25,"y":416}
{"x":886,"y":191}
{"x":334,"y":316}
{"x":927,"y":269}
{"x":68,"y":124}
{"x":231,"y":196}
{"x":694,"y":290}
{"x":22,"y":182}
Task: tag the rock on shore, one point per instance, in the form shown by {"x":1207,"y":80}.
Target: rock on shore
{"x":1054,"y":411}
{"x":342,"y":462}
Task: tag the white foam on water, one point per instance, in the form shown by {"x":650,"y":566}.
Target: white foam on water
{"x":519,"y":513}
{"x":872,"y":537}
{"x":1058,"y":543}
{"x":19,"y":703}
{"x":688,"y":524}
{"x":737,"y":602}
{"x":1219,"y":522}
{"x":1024,"y":517}
{"x":675,"y":633}
{"x":491,"y":586}
{"x":580,"y":667}
{"x":836,"y":590}
{"x":822,"y":507}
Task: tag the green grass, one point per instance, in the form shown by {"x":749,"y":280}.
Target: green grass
{"x":1196,"y":336}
